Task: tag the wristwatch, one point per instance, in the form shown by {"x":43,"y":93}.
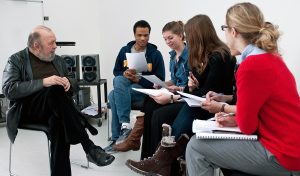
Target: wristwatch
{"x":223,"y":107}
{"x":172,"y":99}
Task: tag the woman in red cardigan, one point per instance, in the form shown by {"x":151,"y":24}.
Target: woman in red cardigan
{"x":268,"y":105}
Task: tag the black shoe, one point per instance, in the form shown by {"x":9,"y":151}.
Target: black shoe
{"x":98,"y":156}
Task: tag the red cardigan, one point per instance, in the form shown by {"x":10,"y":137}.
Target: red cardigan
{"x":268,"y":104}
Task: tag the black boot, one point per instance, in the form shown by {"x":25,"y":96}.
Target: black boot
{"x":98,"y":156}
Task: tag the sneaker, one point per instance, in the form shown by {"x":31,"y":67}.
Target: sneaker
{"x":98,"y":156}
{"x":109,"y":149}
{"x":124,"y":134}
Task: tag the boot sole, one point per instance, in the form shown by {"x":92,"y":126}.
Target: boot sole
{"x":140,"y":171}
{"x":108,"y":162}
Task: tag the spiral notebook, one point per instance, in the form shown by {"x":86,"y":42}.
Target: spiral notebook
{"x":205,"y":129}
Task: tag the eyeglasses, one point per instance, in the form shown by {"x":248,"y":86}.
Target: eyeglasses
{"x":223,"y":27}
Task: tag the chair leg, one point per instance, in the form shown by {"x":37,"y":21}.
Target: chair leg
{"x":49,"y":154}
{"x":10,"y":150}
{"x":107,"y":113}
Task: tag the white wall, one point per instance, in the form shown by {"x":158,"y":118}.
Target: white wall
{"x":103,"y":27}
{"x":16,"y":20}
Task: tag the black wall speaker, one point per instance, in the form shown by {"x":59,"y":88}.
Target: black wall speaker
{"x":90,"y":67}
{"x":72,"y":62}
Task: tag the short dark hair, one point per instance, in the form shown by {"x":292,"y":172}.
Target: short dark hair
{"x":142,"y":24}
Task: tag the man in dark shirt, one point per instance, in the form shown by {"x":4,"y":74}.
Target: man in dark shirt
{"x":122,"y":97}
{"x":35,"y":82}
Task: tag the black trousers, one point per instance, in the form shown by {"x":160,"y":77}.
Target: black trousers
{"x":51,"y":106}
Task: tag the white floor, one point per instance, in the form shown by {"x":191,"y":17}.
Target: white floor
{"x":30,"y":157}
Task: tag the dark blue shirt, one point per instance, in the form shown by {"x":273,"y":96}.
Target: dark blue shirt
{"x":153,"y":57}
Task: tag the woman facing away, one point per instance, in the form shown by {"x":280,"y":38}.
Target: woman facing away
{"x":212,"y":69}
{"x":173,"y":35}
{"x":268,"y":105}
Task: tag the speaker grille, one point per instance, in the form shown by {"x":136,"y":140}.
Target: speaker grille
{"x":72,"y":63}
{"x":90,"y":67}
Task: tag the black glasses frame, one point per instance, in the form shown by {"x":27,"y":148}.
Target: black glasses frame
{"x":223,"y":27}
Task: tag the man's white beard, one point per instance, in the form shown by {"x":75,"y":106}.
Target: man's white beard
{"x":46,"y":59}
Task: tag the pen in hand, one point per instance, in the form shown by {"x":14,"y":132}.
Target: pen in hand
{"x":228,"y":114}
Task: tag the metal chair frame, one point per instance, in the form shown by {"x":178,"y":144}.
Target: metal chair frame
{"x":40,"y":128}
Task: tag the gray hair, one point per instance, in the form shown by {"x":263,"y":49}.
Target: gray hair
{"x":35,"y":35}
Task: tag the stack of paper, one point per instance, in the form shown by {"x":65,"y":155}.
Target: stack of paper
{"x":206,"y":129}
{"x":153,"y":92}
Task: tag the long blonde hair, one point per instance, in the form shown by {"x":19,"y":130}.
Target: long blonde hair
{"x":248,"y":20}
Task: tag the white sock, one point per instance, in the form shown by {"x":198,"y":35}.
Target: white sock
{"x":125,"y":125}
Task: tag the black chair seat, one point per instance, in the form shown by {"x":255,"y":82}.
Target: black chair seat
{"x":35,"y":127}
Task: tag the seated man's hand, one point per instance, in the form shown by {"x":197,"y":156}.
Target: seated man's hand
{"x":57,"y":80}
{"x":132,"y":75}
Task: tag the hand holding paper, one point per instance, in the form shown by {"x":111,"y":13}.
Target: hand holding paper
{"x":155,"y":80}
{"x":192,"y":100}
{"x":137,"y":61}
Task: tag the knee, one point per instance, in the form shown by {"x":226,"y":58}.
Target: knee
{"x":55,"y":91}
{"x":190,"y":147}
{"x":120,"y":81}
{"x":111,"y":96}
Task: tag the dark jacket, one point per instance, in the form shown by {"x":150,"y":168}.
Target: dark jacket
{"x":18,"y":83}
{"x":153,"y":56}
{"x":217,"y":76}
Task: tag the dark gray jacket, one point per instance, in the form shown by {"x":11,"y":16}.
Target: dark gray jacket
{"x":18,"y":83}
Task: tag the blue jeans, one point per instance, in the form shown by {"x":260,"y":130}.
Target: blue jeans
{"x":120,"y":101}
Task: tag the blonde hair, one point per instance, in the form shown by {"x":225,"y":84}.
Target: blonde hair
{"x":175,"y":27}
{"x":248,"y":20}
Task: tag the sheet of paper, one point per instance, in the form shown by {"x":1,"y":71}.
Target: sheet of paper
{"x":208,"y":125}
{"x":155,"y":80}
{"x":192,"y":102}
{"x":153,"y":92}
{"x":194,"y":97}
{"x":137,"y":61}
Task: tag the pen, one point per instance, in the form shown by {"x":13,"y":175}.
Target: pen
{"x":228,"y":114}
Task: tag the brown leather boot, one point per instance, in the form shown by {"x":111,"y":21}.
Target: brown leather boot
{"x":133,"y":141}
{"x":160,"y":162}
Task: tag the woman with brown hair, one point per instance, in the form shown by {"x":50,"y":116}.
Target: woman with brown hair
{"x":212,"y":69}
{"x":268,"y":105}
